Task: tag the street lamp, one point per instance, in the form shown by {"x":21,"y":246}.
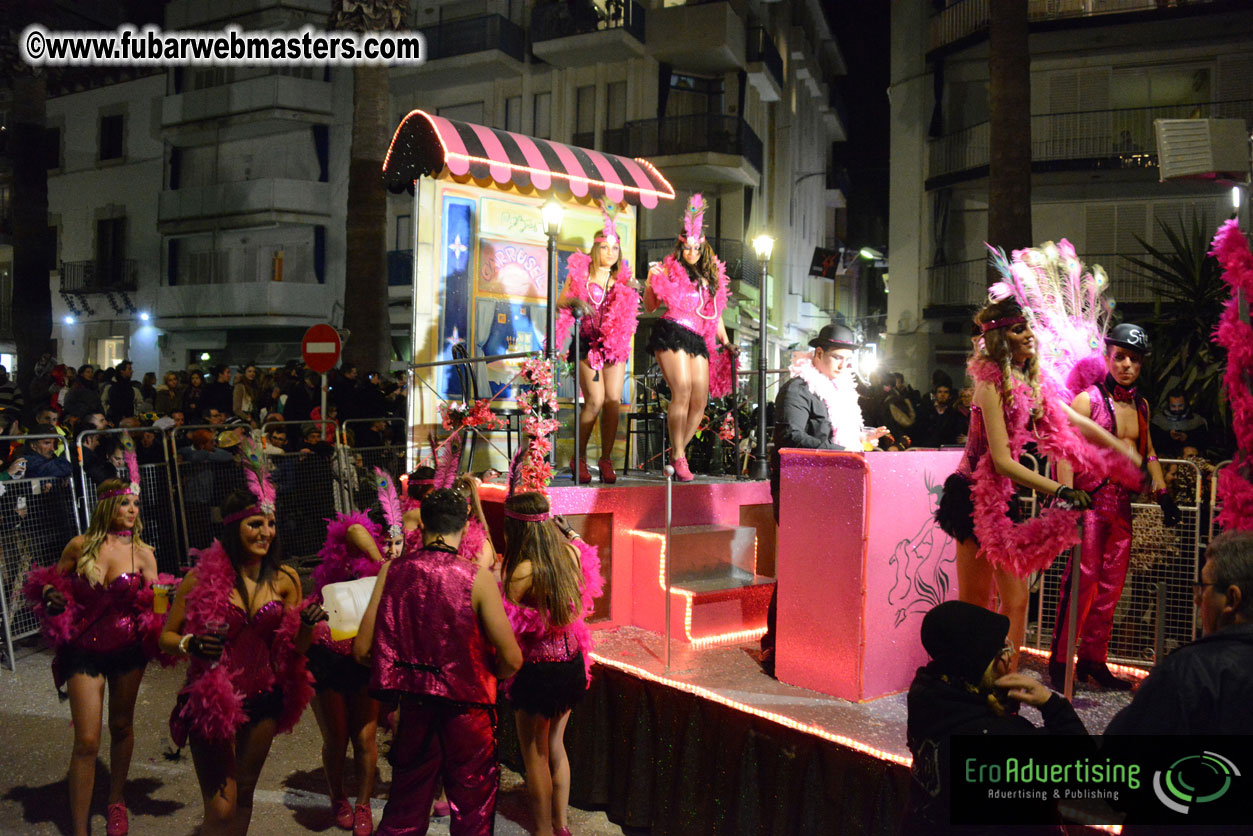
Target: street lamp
{"x":552,"y":212}
{"x":762,"y":245}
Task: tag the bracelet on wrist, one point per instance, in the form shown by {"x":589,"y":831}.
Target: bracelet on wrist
{"x":184,"y":644}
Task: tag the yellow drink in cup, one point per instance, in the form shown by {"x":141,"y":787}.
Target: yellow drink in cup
{"x":161,"y":593}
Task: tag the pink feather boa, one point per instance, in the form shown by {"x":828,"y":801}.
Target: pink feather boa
{"x":209,"y":704}
{"x":668,"y":284}
{"x":1032,"y":545}
{"x":621,"y":313}
{"x":339,"y":560}
{"x":472,"y":540}
{"x":1235,"y":493}
{"x":531,"y":628}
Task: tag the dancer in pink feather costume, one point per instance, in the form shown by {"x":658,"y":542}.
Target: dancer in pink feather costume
{"x":690,"y":341}
{"x":96,"y":606}
{"x":602,"y":287}
{"x":238,"y":616}
{"x":552,"y":579}
{"x":356,"y":547}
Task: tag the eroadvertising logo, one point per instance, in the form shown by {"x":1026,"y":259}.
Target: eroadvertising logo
{"x":1134,"y":779}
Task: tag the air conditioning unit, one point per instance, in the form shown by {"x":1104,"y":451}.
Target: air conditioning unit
{"x":1204,"y":149}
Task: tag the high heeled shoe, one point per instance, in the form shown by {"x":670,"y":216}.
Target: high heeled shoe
{"x":681,"y":471}
{"x":606,"y":471}
{"x":585,"y":475}
{"x":1100,"y":672}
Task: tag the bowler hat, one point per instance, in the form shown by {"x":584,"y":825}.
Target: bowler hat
{"x":834,"y":335}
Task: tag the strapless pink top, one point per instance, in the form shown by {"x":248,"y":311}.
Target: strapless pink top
{"x":683,"y":309}
{"x":250,"y":641}
{"x":109,"y":619}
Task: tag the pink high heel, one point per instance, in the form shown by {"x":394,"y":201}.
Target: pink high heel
{"x":681,"y":470}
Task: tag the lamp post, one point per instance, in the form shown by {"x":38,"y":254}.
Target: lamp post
{"x":552,"y":212}
{"x":762,"y":245}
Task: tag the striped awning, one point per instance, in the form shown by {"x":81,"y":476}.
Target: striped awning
{"x":425,"y":144}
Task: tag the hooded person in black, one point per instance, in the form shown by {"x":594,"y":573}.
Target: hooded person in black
{"x":967,"y":689}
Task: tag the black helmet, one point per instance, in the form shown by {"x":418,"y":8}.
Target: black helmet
{"x":1129,"y":335}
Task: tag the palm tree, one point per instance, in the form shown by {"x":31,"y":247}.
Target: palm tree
{"x":1009,"y":100}
{"x":365,"y":281}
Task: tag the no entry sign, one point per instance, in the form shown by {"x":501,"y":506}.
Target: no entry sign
{"x":320,"y":348}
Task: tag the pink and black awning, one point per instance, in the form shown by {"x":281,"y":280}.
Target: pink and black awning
{"x":425,"y":144}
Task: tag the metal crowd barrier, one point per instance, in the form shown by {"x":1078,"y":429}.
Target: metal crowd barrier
{"x":1156,"y":612}
{"x":37,"y":519}
{"x":1215,"y":504}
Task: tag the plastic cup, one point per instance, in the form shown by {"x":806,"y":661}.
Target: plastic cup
{"x":161,"y":595}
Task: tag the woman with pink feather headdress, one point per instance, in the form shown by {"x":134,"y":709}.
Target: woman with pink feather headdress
{"x":476,"y":544}
{"x":239,"y":617}
{"x":689,"y":340}
{"x":356,"y":547}
{"x":602,"y":288}
{"x":1032,"y":334}
{"x":96,"y":606}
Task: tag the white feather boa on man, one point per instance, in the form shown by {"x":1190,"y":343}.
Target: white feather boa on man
{"x":839,"y":395}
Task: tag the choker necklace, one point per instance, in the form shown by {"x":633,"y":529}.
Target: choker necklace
{"x":121,"y":532}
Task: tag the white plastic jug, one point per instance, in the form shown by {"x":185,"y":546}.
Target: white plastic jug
{"x":345,"y":604}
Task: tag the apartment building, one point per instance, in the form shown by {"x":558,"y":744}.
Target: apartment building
{"x":234,"y":179}
{"x":1101,"y":72}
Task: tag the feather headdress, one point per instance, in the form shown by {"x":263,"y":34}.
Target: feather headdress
{"x":607,"y":232}
{"x":132,"y":469}
{"x":448,"y":461}
{"x":1064,"y":304}
{"x":258,"y":483}
{"x":389,"y":501}
{"x":693,"y":221}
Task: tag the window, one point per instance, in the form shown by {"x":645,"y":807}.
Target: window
{"x":543,"y":113}
{"x":692,"y":95}
{"x":110,"y":251}
{"x":111,"y":132}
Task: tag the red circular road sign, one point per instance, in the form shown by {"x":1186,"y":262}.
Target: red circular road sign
{"x":320,"y":348}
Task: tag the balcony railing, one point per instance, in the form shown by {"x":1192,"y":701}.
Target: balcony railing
{"x":686,"y":135}
{"x":561,"y":19}
{"x":741,"y":261}
{"x":1121,"y":138}
{"x":399,"y":268}
{"x":965,"y":283}
{"x":99,"y":277}
{"x":964,"y":18}
{"x":761,"y":48}
{"x":474,"y":34}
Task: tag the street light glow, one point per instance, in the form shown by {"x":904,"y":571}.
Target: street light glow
{"x":1235,"y":197}
{"x":68,"y":320}
{"x":870,"y":254}
{"x":143,"y":316}
{"x":763,"y":245}
{"x":204,"y":355}
{"x":552,"y":212}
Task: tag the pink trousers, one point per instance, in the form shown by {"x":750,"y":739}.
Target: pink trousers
{"x":1104,"y":554}
{"x":436,"y":740}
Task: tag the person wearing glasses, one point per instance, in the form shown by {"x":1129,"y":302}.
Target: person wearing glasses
{"x":1205,"y":687}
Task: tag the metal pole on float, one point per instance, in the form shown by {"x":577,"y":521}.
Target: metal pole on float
{"x":411,"y":374}
{"x":577,"y":460}
{"x":1072,"y":613}
{"x":666,"y":554}
{"x":760,"y":469}
{"x":551,"y":212}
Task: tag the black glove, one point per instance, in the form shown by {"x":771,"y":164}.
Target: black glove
{"x":1171,"y":515}
{"x":208,"y":646}
{"x":54,"y":601}
{"x":1075,"y":498}
{"x":312,"y":614}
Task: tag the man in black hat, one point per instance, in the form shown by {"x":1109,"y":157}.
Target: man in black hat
{"x":816,"y":409}
{"x":1116,"y":405}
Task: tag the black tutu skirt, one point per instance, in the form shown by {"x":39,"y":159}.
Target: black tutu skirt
{"x":74,"y":660}
{"x":549,"y":689}
{"x":335,"y":672}
{"x":668,"y":335}
{"x":956,"y":513}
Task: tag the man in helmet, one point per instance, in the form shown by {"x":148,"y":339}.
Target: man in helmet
{"x":1116,"y":405}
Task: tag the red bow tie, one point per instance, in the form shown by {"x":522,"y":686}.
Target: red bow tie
{"x":1123,"y":393}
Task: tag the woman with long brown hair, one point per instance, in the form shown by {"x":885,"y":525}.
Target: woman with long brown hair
{"x":551,"y":580}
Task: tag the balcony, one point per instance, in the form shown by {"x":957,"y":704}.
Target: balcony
{"x":967,"y":20}
{"x":964,"y":284}
{"x":741,"y":261}
{"x":253,"y":107}
{"x":245,"y":203}
{"x":99,"y":277}
{"x":838,"y":186}
{"x":466,"y":51}
{"x":698,"y":37}
{"x":587,"y":34}
{"x":693,"y":149}
{"x":1082,"y":140}
{"x":765,"y":65}
{"x":243,"y":303}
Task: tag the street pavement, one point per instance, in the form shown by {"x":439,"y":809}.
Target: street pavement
{"x":162,"y":794}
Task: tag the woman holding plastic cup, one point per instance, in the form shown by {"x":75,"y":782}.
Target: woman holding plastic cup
{"x":355,"y":548}
{"x":238,"y":616}
{"x":96,"y":605}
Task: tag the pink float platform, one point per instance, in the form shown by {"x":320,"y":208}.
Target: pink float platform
{"x":860,"y":561}
{"x":721,"y":558}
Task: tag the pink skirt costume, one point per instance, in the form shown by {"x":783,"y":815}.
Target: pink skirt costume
{"x":104,"y":630}
{"x":431,"y":655}
{"x":1025,"y":547}
{"x":556,"y":666}
{"x":1103,"y":558}
{"x":331,"y":661}
{"x":605,"y":333}
{"x":260,"y":674}
{"x":690,"y":323}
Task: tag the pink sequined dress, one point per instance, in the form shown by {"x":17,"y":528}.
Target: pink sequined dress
{"x":109,"y":638}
